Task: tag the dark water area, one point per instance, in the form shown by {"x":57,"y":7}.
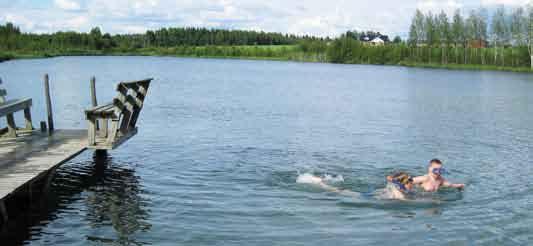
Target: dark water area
{"x":221,"y":144}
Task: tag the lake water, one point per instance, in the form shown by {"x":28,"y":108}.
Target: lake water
{"x":222,"y":143}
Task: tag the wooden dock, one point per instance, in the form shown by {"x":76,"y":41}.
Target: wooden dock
{"x":29,"y":157}
{"x":26,"y":159}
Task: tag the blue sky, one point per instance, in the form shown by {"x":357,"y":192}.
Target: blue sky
{"x":312,"y":17}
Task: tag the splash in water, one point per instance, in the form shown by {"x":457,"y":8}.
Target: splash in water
{"x":327,"y":181}
{"x":324,"y":183}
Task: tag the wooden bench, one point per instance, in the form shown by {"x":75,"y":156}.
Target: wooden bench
{"x":9,"y":107}
{"x":112,"y":124}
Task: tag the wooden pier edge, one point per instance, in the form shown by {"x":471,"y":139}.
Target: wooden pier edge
{"x":37,"y":156}
{"x":31,"y":157}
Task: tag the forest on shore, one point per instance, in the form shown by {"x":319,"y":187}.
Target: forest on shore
{"x":501,"y":39}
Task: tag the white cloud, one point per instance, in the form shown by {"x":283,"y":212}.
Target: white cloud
{"x":506,"y":2}
{"x":77,"y":22}
{"x":315,"y":17}
{"x":20,"y":20}
{"x":437,"y":5}
{"x":67,"y":4}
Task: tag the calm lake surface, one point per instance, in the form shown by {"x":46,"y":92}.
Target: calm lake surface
{"x":222,"y":143}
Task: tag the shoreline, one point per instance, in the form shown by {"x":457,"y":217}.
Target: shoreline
{"x":471,"y":67}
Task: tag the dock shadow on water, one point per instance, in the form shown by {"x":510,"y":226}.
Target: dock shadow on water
{"x":102,"y":192}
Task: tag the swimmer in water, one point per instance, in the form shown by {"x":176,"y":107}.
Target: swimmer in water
{"x":433,"y":180}
{"x":401,"y":184}
{"x":308,"y":178}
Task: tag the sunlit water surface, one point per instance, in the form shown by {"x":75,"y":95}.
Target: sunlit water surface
{"x":222,"y":143}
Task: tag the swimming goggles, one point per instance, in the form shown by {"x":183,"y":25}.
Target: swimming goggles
{"x":402,"y":186}
{"x":439,"y":171}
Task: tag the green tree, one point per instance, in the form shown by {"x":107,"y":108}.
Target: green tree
{"x":458,"y":33}
{"x":95,"y":36}
{"x":430,"y":33}
{"x":397,"y":40}
{"x":443,"y":29}
{"x":518,"y":27}
{"x":529,"y":37}
{"x":499,"y":32}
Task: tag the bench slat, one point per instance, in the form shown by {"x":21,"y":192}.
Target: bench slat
{"x":93,"y":109}
{"x":106,"y":110}
{"x":14,"y":105}
{"x":138,"y":81}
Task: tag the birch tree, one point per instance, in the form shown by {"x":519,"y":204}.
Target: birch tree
{"x":530,"y":34}
{"x":498,"y":31}
{"x":443,"y":28}
{"x":417,"y":32}
{"x":429,"y":27}
{"x":518,"y":30}
{"x":458,"y":32}
{"x":470,"y":31}
{"x":413,"y":38}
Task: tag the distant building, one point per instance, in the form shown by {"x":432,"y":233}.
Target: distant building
{"x":477,"y":43}
{"x":376,"y":39}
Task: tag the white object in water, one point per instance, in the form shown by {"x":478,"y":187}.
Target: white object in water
{"x":311,"y":179}
{"x":308,"y":178}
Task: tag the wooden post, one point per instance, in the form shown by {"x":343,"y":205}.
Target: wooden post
{"x":3,"y":211}
{"x":91,"y":131}
{"x":94,"y":103}
{"x":27,"y":117}
{"x":100,"y":154}
{"x":43,"y":126}
{"x":2,"y":93}
{"x":48,"y":183}
{"x":93,"y":92}
{"x":11,"y":127}
{"x":48,"y":104}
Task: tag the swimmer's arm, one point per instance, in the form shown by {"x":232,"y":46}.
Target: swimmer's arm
{"x":328,"y":187}
{"x":419,"y":179}
{"x":446,"y":183}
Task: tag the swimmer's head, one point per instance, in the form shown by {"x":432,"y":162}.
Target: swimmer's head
{"x":435,"y":168}
{"x":403,"y":181}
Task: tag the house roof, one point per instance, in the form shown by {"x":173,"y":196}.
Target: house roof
{"x":373,"y":36}
{"x":377,"y":40}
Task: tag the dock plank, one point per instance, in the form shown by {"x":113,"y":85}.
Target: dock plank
{"x":25,"y":159}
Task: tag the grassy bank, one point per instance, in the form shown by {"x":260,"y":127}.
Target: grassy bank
{"x":467,"y":67}
{"x":376,"y":56}
{"x":10,"y":55}
{"x":5,"y":57}
{"x":263,"y":52}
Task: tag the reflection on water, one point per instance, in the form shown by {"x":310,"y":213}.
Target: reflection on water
{"x":222,"y":142}
{"x":102,"y":192}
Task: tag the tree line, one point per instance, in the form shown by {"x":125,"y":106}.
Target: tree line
{"x":11,"y":38}
{"x":507,"y":32}
{"x":503,"y":39}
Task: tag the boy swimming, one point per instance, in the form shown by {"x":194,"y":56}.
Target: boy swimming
{"x":433,"y":180}
{"x":401,"y":184}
